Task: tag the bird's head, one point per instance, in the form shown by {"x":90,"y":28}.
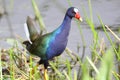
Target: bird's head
{"x":73,"y":12}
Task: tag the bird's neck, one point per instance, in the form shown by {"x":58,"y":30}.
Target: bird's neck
{"x":64,"y":27}
{"x":66,"y":24}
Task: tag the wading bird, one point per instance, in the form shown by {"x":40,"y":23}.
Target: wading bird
{"x":52,"y":44}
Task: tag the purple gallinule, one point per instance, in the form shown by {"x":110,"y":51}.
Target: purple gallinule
{"x":52,"y":44}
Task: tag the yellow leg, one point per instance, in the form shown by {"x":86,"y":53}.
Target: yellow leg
{"x":45,"y":75}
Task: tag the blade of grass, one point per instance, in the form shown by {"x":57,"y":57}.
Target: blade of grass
{"x":83,"y":41}
{"x":90,"y":8}
{"x":31,"y":66}
{"x":112,"y":33}
{"x":90,"y":21}
{"x":69,"y":69}
{"x":92,"y":27}
{"x":68,"y":51}
{"x":75,"y":75}
{"x":12,"y":72}
{"x":92,"y":64}
{"x":107,"y":35}
{"x":116,"y":75}
{"x":38,"y":16}
{"x":85,"y":71}
{"x":56,"y":70}
{"x":67,"y":76}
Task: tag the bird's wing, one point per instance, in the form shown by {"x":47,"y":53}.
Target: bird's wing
{"x":30,"y":30}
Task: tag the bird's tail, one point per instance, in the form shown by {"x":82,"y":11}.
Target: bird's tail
{"x":27,"y":33}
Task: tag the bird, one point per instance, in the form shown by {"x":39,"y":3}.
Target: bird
{"x":52,"y":44}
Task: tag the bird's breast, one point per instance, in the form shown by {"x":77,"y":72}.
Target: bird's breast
{"x":56,"y":46}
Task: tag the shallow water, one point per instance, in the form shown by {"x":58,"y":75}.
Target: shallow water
{"x":53,"y":13}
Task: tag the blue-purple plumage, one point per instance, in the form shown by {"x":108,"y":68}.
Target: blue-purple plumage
{"x":59,"y":39}
{"x":52,"y":44}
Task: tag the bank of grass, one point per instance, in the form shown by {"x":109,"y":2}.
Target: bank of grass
{"x":16,"y":64}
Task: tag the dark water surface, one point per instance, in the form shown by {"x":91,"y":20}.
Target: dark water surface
{"x":53,"y":12}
